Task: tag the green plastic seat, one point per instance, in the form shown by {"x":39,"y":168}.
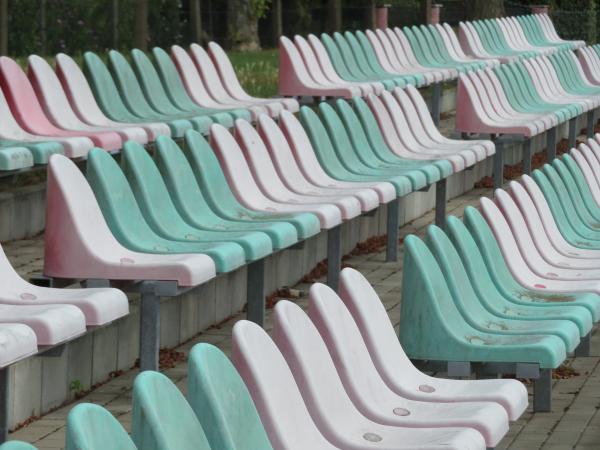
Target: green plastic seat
{"x":193,"y":206}
{"x":331,"y":163}
{"x":344,"y":63}
{"x":18,"y":445}
{"x":152,"y":195}
{"x":486,"y":312}
{"x":109,"y":99}
{"x":162,"y":419}
{"x":129,"y":226}
{"x":570,"y":199}
{"x":178,"y":95}
{"x":154,"y":105}
{"x":213,"y":183}
{"x":565,"y":216}
{"x":40,"y":151}
{"x":222,"y":402}
{"x":91,"y":427}
{"x":352,"y":162}
{"x":432,"y":328}
{"x":489,"y":275}
{"x":416,"y":79}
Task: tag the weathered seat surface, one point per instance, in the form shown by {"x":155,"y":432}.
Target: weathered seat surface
{"x":162,"y":419}
{"x":91,"y":427}
{"x":222,"y":403}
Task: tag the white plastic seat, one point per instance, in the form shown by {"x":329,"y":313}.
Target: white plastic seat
{"x":232,"y":84}
{"x":267,"y":177}
{"x":79,"y":244}
{"x":335,"y":415}
{"x":18,"y":342}
{"x":240,"y":179}
{"x":369,"y":393}
{"x":396,"y":369}
{"x":290,"y":173}
{"x":52,"y":324}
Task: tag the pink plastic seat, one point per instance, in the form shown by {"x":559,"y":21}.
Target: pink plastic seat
{"x":332,"y":410}
{"x":85,"y":106}
{"x":56,"y":104}
{"x":73,"y":147}
{"x":291,"y":174}
{"x":369,"y":393}
{"x":590,"y":62}
{"x":18,"y":342}
{"x":29,"y":113}
{"x":311,"y":168}
{"x":396,"y":369}
{"x":232,"y":84}
{"x":268,"y":180}
{"x":246,"y":189}
{"x":79,"y":244}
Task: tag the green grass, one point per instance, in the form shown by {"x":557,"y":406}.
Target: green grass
{"x":258,"y":71}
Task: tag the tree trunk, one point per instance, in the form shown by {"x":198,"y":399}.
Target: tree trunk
{"x":196,"y":21}
{"x":3,"y":27}
{"x":484,"y":9}
{"x":242,"y":25}
{"x":141,"y":35}
{"x":334,"y":15}
{"x":371,"y":15}
{"x":114,"y":22}
{"x":43,"y":26}
{"x":426,"y":11}
{"x":277,"y":24}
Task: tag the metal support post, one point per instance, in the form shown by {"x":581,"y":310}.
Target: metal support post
{"x":149,"y":327}
{"x":498,"y":164}
{"x":591,"y":124}
{"x":440,"y":203}
{"x":527,"y":156}
{"x":585,"y":344}
{"x":255,"y":289}
{"x":436,"y":98}
{"x":572,"y":132}
{"x":393,"y":230}
{"x":551,"y":144}
{"x":542,"y":392}
{"x":334,"y":256}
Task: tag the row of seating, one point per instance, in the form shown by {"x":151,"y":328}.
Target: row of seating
{"x":515,"y":283}
{"x":360,"y":63}
{"x":46,"y":111}
{"x":524,"y":99}
{"x":245,"y":196}
{"x":510,"y":38}
{"x":333,"y":378}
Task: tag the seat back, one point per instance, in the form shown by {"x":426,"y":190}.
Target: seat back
{"x":171,"y":80}
{"x":152,"y":84}
{"x":273,"y":389}
{"x":91,"y":427}
{"x":222,"y":402}
{"x":129,"y":86}
{"x":105,"y":89}
{"x":162,"y":419}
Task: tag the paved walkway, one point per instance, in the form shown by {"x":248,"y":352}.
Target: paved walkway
{"x":573,"y":424}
